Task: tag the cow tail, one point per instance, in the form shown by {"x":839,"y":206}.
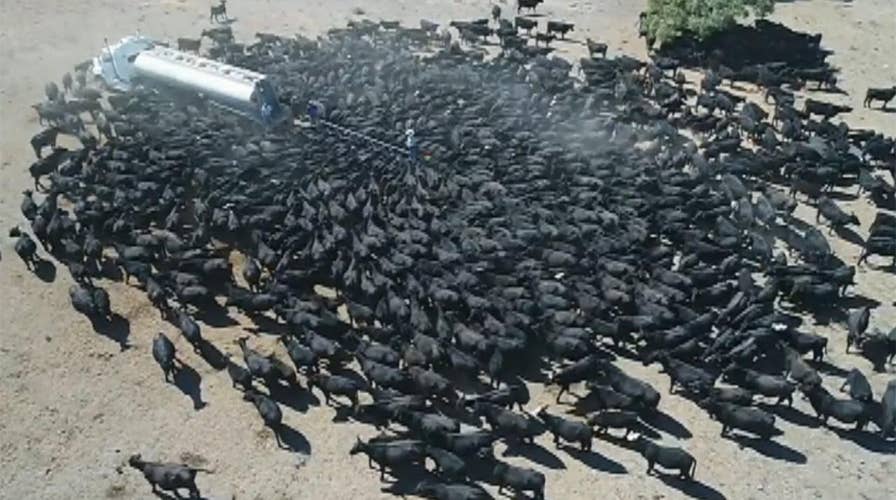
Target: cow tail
{"x":693,"y":469}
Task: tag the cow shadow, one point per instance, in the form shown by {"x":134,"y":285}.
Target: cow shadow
{"x":294,"y":397}
{"x":595,"y":460}
{"x":842,"y":196}
{"x":664,"y":422}
{"x":829,"y":369}
{"x":293,"y":440}
{"x":212,"y":355}
{"x":44,"y":270}
{"x":169,"y":496}
{"x":215,"y":316}
{"x":405,"y":479}
{"x":791,"y":415}
{"x":267,"y":325}
{"x":849,"y":235}
{"x":867,"y":440}
{"x":189,"y":382}
{"x":116,"y":328}
{"x":769,"y":448}
{"x":536,"y":453}
{"x":691,"y":487}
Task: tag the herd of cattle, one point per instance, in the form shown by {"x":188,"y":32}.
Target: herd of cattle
{"x":559,"y":223}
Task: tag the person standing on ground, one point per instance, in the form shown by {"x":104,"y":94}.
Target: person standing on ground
{"x":411,"y":143}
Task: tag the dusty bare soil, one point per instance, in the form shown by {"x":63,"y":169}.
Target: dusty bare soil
{"x":74,"y":405}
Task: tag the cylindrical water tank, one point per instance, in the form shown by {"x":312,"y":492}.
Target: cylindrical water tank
{"x":238,"y":89}
{"x":227,"y":85}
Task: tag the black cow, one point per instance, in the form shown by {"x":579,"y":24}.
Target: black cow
{"x":518,"y":479}
{"x":760,"y":383}
{"x":748,"y":419}
{"x":525,"y":23}
{"x":596,"y":48}
{"x":859,"y":388}
{"x":44,"y":138}
{"x":216,"y":12}
{"x":834,"y":214}
{"x":168,"y":476}
{"x":844,"y":410}
{"x":824,"y":109}
{"x":569,"y":430}
{"x":527,"y":4}
{"x":390,"y":454}
{"x":668,"y":457}
{"x":885,"y":95}
{"x":336,"y":385}
{"x":604,"y":420}
{"x":164,"y":354}
{"x":189,"y":44}
{"x":450,"y":491}
{"x":560,"y":27}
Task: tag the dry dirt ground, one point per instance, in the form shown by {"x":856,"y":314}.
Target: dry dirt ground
{"x":74,"y":405}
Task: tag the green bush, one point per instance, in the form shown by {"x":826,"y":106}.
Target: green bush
{"x":668,"y":19}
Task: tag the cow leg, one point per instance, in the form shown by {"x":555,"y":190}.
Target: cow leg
{"x":563,"y":389}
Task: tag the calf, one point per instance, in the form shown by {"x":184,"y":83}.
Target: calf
{"x":613,"y":419}
{"x":885,"y":95}
{"x":859,"y":388}
{"x":570,"y":430}
{"x":164,"y":353}
{"x":843,"y":410}
{"x":390,"y":454}
{"x":44,"y":138}
{"x":167,"y":476}
{"x":668,"y":457}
